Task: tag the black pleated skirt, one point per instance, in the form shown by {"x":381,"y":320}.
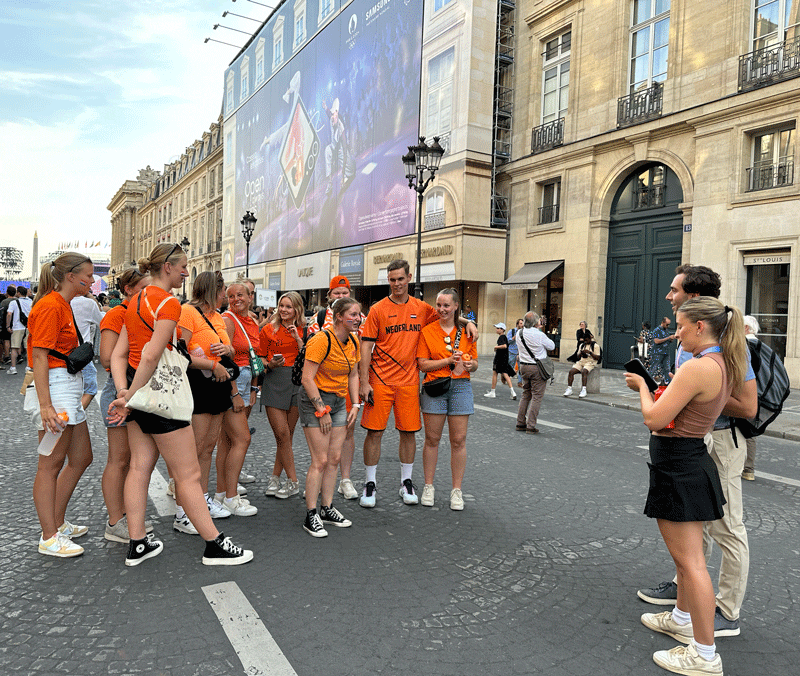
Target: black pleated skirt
{"x":684,"y":482}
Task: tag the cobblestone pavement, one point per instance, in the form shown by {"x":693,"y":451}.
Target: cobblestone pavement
{"x":538,"y":575}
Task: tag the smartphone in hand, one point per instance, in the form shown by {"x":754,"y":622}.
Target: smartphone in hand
{"x":637,"y":367}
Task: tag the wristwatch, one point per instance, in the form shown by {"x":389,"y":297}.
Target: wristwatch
{"x":253,"y":389}
{"x":321,"y":413}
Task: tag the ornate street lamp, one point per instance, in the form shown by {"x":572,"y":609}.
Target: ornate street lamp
{"x":421,"y":163}
{"x":248,"y":225}
{"x":185,"y":246}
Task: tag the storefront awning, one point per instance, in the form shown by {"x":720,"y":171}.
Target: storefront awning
{"x":530,"y":274}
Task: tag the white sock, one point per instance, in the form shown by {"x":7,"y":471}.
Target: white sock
{"x":406,"y":470}
{"x":370,"y":471}
{"x":179,"y":513}
{"x":681,"y":617}
{"x":707,"y":652}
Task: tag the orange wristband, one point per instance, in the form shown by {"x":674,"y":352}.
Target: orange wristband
{"x":321,"y":413}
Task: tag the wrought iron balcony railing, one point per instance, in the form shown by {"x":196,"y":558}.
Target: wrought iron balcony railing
{"x":434,"y":220}
{"x":548,"y":214}
{"x":640,"y":106}
{"x":648,"y":197}
{"x":547,"y":136}
{"x":764,"y":177}
{"x":769,"y":65}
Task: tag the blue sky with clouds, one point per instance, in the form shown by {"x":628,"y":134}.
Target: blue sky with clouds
{"x":90,"y":92}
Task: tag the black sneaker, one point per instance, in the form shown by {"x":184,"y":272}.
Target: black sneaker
{"x":665,"y":594}
{"x":222,"y":552}
{"x":723,"y":626}
{"x":331,"y":515}
{"x":408,"y":493}
{"x":139,"y":550}
{"x":313,"y":525}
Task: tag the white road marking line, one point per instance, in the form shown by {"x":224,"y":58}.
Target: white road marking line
{"x":644,"y":448}
{"x":779,"y":479}
{"x":254,"y":645}
{"x":157,"y":491}
{"x":508,"y":414}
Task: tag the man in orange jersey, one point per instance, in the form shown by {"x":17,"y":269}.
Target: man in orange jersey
{"x":389,"y":377}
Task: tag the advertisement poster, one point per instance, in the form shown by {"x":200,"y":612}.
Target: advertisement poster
{"x":318,"y":146}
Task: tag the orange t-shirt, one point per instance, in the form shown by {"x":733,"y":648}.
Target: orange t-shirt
{"x":203,"y":336}
{"x":395,"y":330}
{"x":239,"y":340}
{"x":279,"y":341}
{"x":432,"y":346}
{"x":334,"y":370}
{"x":50,"y":327}
{"x":140,"y":334}
{"x":114,"y":319}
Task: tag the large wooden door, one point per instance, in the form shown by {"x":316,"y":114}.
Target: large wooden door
{"x":644,"y":248}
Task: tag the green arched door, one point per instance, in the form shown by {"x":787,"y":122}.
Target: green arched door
{"x":644,"y":248}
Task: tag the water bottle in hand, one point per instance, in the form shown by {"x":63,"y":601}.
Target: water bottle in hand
{"x":50,"y":439}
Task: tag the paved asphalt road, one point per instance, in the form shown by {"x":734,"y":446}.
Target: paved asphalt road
{"x":538,"y":575}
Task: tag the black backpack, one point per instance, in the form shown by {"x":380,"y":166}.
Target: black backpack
{"x":300,"y":360}
{"x":772,"y":383}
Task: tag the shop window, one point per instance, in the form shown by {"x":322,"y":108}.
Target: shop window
{"x":772,"y":160}
{"x":768,"y":301}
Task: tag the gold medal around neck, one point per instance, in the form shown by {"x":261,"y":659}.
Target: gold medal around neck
{"x":447,"y":340}
{"x":449,"y":348}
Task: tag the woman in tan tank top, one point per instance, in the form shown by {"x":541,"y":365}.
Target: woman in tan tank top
{"x":685,"y":490}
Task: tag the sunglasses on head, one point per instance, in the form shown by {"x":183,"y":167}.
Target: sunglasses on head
{"x":75,"y":267}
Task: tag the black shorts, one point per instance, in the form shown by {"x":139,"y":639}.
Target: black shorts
{"x":150,"y":423}
{"x":684,"y":482}
{"x":209,"y":395}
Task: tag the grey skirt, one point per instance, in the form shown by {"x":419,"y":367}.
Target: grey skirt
{"x":278,"y":391}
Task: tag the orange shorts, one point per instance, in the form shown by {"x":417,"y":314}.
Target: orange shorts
{"x":404,"y":400}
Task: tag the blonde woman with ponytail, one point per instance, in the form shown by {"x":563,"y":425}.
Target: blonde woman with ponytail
{"x":685,"y":489}
{"x":151,"y":318}
{"x":52,"y":328}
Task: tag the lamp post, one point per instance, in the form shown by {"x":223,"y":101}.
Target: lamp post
{"x":185,"y":246}
{"x":248,"y":225}
{"x":421,"y":163}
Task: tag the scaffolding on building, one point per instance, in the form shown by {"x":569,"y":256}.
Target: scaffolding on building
{"x":503,"y":108}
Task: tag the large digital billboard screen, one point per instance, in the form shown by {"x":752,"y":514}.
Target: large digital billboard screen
{"x":318,"y":146}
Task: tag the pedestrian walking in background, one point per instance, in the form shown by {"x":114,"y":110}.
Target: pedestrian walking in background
{"x":203,"y":330}
{"x":340,"y":288}
{"x":5,"y":334}
{"x":444,"y":351}
{"x":751,"y":331}
{"x":88,"y":317}
{"x":500,"y":364}
{"x":685,"y":489}
{"x":151,"y":319}
{"x":661,"y":352}
{"x":18,"y":311}
{"x":513,"y":351}
{"x":131,"y":281}
{"x":52,"y":329}
{"x":533,"y":345}
{"x":281,"y":340}
{"x":330,"y":371}
{"x":643,"y":341}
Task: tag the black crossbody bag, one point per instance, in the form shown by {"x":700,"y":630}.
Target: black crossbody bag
{"x":439,"y":386}
{"x":227,"y":363}
{"x":80,"y":356}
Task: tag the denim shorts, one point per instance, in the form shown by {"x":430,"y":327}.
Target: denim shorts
{"x":338,"y":410}
{"x":66,"y":390}
{"x":243,"y":382}
{"x":108,"y":395}
{"x":90,"y":379}
{"x":456,"y":401}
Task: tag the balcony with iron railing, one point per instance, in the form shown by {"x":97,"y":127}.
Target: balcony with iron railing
{"x":769,"y":65}
{"x":547,"y":136}
{"x":649,"y":196}
{"x":548,"y":214}
{"x":640,"y":106}
{"x":766,"y":176}
{"x":434,"y":220}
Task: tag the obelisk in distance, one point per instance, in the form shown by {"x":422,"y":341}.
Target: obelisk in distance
{"x":35,"y":262}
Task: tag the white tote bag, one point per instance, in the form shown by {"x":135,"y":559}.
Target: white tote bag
{"x":167,"y":394}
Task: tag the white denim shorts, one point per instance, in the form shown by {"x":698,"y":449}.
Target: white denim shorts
{"x":66,"y":390}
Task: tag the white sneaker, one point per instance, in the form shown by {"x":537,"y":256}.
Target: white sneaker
{"x":241,"y":490}
{"x":685,"y":660}
{"x":456,"y":500}
{"x":408,"y":492}
{"x":583,"y":393}
{"x":70,"y":530}
{"x":183,"y":525}
{"x":59,"y":545}
{"x":347,"y":490}
{"x":428,"y":492}
{"x":568,"y":391}
{"x":239,"y":506}
{"x":12,"y":371}
{"x":273,"y":485}
{"x":490,"y":394}
{"x":216,"y":509}
{"x":513,"y":395}
{"x":171,"y":488}
{"x":245,"y":478}
{"x":288,"y":489}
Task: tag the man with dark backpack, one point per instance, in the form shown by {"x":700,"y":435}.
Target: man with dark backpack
{"x":5,"y":334}
{"x":17,"y":321}
{"x":772,"y":382}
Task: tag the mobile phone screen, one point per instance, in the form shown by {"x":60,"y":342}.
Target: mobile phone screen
{"x":637,"y":367}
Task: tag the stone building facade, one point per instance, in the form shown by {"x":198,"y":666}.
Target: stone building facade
{"x":182,"y":201}
{"x":648,"y":133}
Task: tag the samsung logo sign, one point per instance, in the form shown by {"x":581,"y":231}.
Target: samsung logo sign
{"x":377,"y":7}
